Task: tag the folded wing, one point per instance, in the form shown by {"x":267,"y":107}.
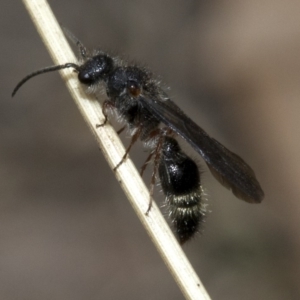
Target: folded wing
{"x":227,"y":167}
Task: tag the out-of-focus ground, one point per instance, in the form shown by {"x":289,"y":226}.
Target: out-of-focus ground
{"x":66,"y":228}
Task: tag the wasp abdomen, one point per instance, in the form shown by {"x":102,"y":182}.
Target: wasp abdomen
{"x":180,"y":181}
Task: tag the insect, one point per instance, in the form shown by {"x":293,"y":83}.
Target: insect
{"x":151,"y":116}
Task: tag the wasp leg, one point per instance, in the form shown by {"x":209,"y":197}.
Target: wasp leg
{"x":105,"y":107}
{"x":134,"y":138}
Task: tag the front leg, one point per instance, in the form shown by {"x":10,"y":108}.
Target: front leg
{"x":107,"y":105}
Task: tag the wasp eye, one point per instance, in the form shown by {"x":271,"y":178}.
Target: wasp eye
{"x":134,"y":88}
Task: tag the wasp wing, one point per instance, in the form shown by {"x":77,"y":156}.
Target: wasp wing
{"x":227,"y":167}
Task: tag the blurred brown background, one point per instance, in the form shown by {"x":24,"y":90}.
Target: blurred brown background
{"x":66,"y":228}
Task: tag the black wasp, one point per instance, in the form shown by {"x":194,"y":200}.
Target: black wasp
{"x":141,"y":104}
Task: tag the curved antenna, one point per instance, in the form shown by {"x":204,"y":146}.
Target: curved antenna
{"x":82,"y":50}
{"x":42,"y":71}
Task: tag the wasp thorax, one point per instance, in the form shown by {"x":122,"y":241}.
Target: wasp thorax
{"x":95,"y":69}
